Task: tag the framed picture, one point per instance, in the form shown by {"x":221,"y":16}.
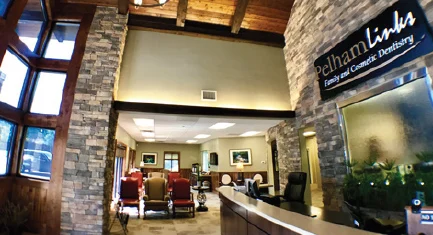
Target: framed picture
{"x":240,"y":155}
{"x":149,"y":158}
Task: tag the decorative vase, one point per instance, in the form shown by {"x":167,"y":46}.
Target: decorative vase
{"x":201,"y":198}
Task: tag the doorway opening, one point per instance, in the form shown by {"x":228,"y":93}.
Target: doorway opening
{"x":118,"y":167}
{"x":310,"y":165}
{"x":275,"y":167}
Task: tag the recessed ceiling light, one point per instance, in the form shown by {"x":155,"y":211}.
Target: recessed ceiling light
{"x":149,"y":140}
{"x":250,"y":133}
{"x":222,"y":125}
{"x":309,"y":133}
{"x":144,"y":122}
{"x":148,"y":134}
{"x":191,"y":141}
{"x":201,"y":136}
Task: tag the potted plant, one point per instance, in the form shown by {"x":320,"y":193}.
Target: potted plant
{"x":13,"y":218}
{"x":426,"y":162}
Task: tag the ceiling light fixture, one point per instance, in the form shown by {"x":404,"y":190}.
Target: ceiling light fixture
{"x":149,"y":140}
{"x":309,"y":133}
{"x":191,"y":141}
{"x":144,"y":122}
{"x":222,"y":125}
{"x":201,"y":136}
{"x":148,"y":133}
{"x":250,"y":133}
{"x":148,"y":3}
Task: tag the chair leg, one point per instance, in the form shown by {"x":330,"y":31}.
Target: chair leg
{"x":174,"y":212}
{"x":138,"y":209}
{"x":193,"y":211}
{"x":144,"y":215}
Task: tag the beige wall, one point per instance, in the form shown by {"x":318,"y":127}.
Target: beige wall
{"x":189,"y":153}
{"x":173,"y":69}
{"x":125,"y":138}
{"x":222,"y":146}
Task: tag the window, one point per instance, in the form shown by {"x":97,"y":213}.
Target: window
{"x":37,"y":153}
{"x":7,"y":130}
{"x":48,"y":93}
{"x":171,"y":161}
{"x":205,"y":164}
{"x":31,"y":24}
{"x":13,"y":73}
{"x":62,"y":41}
{"x":4,"y":5}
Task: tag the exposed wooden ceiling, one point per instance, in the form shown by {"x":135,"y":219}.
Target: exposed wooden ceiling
{"x":269,"y":16}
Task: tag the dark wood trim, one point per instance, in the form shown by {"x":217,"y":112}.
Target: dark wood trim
{"x":17,"y":149}
{"x":182,"y":7}
{"x":52,"y":64}
{"x":123,"y":7}
{"x":171,"y":152}
{"x":40,"y":120}
{"x":44,"y":37}
{"x":10,"y":113}
{"x":253,"y":36}
{"x":204,"y":111}
{"x":239,"y":15}
{"x":21,"y":49}
{"x":34,"y":183}
{"x":68,"y":12}
{"x":15,"y":12}
{"x":28,"y":88}
{"x":55,"y":192}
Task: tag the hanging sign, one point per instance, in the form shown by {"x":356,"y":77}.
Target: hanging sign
{"x":398,"y":35}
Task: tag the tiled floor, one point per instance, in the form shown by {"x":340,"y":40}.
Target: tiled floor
{"x":317,"y":197}
{"x":157,"y":223}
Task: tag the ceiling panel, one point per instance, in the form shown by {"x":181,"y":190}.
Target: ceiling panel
{"x":180,"y":128}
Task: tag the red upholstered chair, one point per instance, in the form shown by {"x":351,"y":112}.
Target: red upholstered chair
{"x":171,"y":177}
{"x":182,"y":196}
{"x":139,"y":177}
{"x":129,"y":195}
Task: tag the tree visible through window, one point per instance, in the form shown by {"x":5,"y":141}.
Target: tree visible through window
{"x":171,"y":161}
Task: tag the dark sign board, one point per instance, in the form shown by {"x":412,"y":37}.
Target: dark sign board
{"x":427,"y":217}
{"x":398,"y":35}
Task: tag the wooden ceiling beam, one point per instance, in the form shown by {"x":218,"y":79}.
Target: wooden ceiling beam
{"x":239,"y":15}
{"x":213,"y":30}
{"x":181,"y":13}
{"x":123,"y":7}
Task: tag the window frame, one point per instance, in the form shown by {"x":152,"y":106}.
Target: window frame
{"x":47,"y":40}
{"x":21,"y":153}
{"x":9,"y":157}
{"x":27,"y":78}
{"x":45,"y":23}
{"x":34,"y":86}
{"x":178,"y":159}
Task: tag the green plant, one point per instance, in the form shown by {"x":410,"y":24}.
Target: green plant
{"x":388,"y":165}
{"x":13,"y":218}
{"x":425,"y":156}
{"x":351,"y":164}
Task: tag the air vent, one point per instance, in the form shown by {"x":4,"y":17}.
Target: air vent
{"x":207,"y":95}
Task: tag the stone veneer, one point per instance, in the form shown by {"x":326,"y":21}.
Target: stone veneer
{"x":314,"y":28}
{"x":88,"y":169}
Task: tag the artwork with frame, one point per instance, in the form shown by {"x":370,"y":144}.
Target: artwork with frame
{"x":149,"y":158}
{"x":240,"y":156}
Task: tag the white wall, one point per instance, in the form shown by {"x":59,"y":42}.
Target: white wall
{"x":173,"y":69}
{"x":189,"y":153}
{"x":124,"y":137}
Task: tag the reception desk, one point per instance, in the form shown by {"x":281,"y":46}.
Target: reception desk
{"x":242,"y":215}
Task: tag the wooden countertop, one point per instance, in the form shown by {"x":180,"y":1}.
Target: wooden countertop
{"x":295,"y":222}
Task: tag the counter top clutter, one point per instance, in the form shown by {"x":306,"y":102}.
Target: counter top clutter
{"x":241,"y":214}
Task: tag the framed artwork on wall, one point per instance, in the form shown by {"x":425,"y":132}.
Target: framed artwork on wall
{"x":240,"y":156}
{"x":149,"y":158}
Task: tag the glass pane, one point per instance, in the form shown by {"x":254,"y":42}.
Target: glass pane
{"x":30,"y":24}
{"x":396,"y":124}
{"x":167,"y":156}
{"x":4,"y":5}
{"x":37,"y":154}
{"x":48,"y":93}
{"x":13,"y":73}
{"x":175,"y":166}
{"x":167,"y":164}
{"x":62,"y":41}
{"x":175,"y":156}
{"x":6,"y":139}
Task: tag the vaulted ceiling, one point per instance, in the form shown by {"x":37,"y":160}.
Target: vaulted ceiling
{"x":238,"y":16}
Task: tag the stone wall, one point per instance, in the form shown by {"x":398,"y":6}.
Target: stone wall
{"x":314,"y":28}
{"x":88,"y":169}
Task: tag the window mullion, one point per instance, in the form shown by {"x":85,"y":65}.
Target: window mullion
{"x":27,"y":94}
{"x":43,"y":39}
{"x":16,"y":149}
